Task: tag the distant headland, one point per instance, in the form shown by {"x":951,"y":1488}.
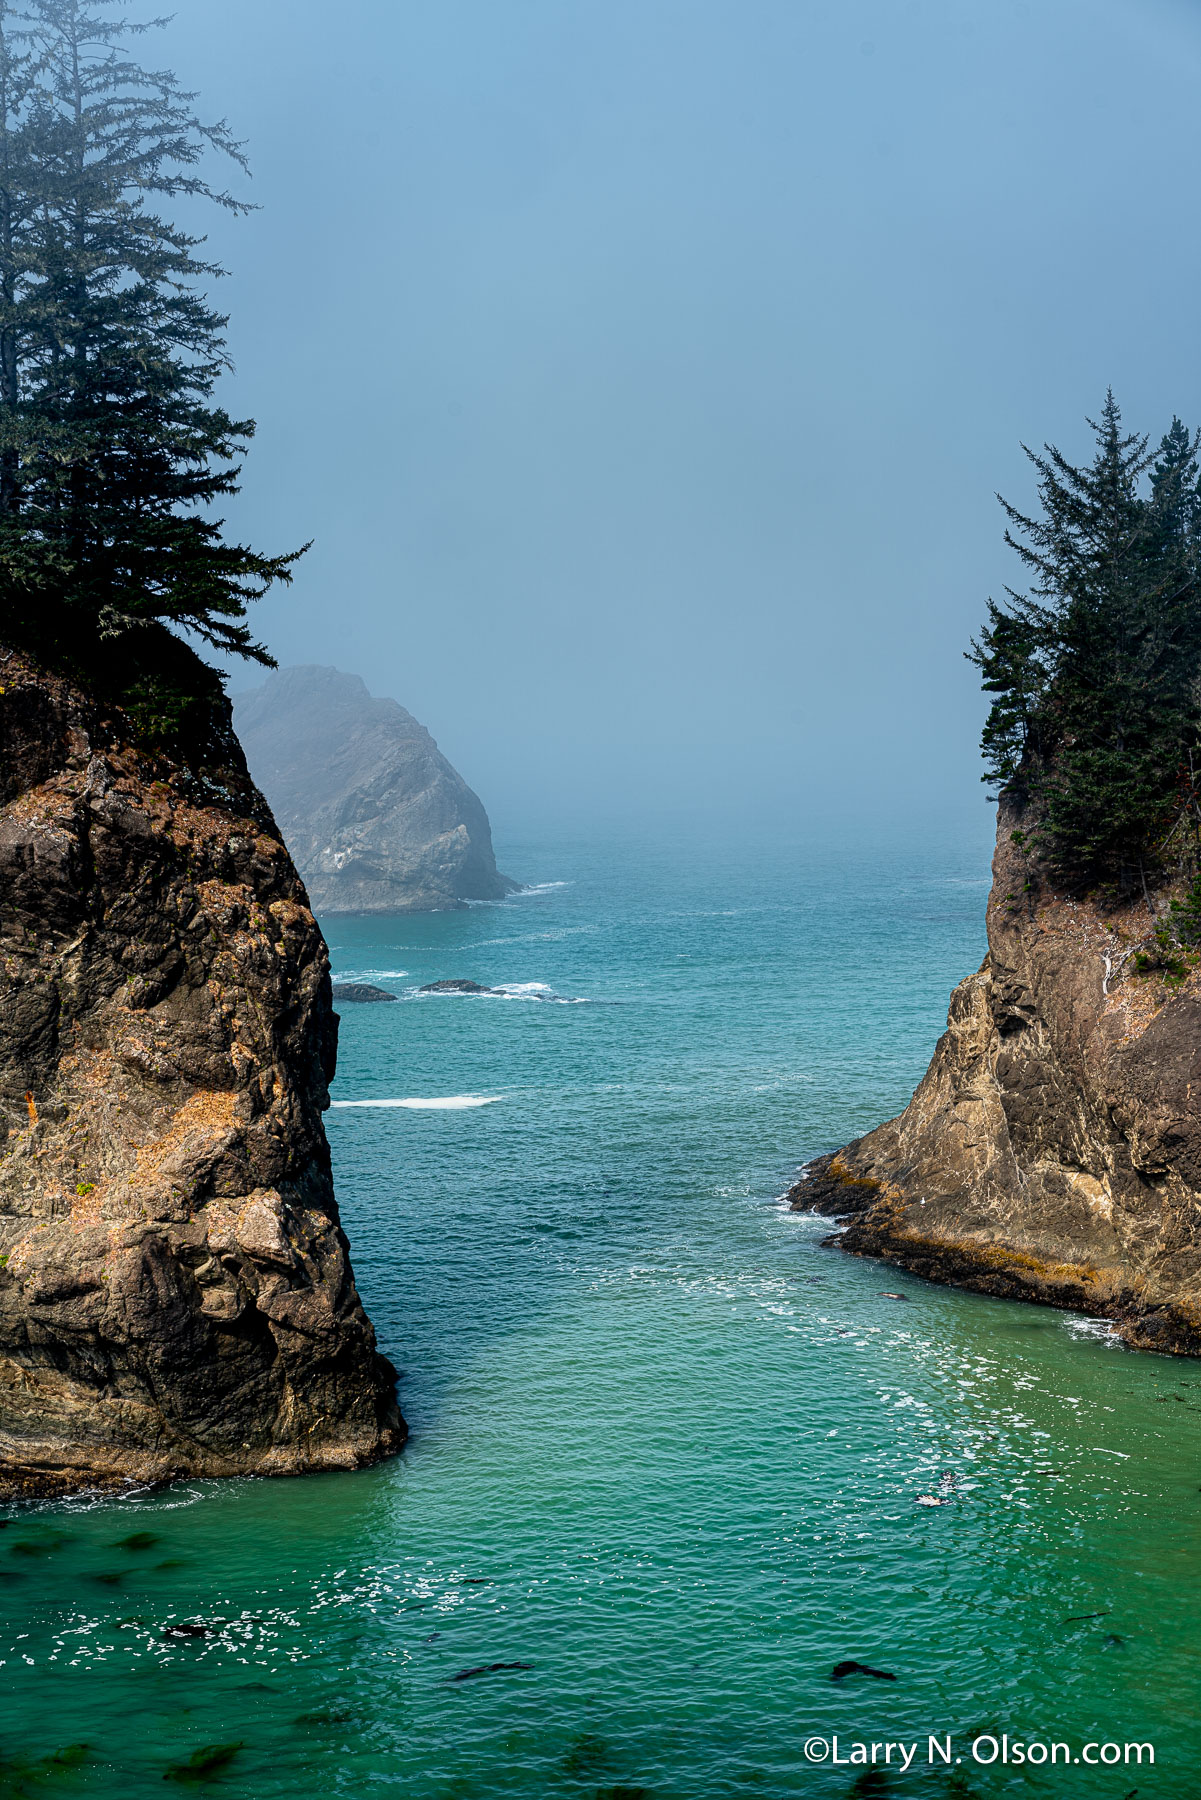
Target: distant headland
{"x":375,"y":816}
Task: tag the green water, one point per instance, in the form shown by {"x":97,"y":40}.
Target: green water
{"x":667,"y":1448}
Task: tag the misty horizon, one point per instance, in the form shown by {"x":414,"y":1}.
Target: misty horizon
{"x":646,"y":382}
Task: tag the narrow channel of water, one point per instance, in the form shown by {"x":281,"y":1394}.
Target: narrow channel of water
{"x":667,"y":1448}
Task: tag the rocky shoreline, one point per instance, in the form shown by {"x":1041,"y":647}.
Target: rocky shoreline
{"x":176,"y":1295}
{"x":1052,"y":1151}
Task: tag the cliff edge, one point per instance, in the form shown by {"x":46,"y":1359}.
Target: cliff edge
{"x":176,"y":1296}
{"x":377,"y":819}
{"x":1053,"y":1150}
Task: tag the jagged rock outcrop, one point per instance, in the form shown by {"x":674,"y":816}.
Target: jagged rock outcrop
{"x":1053,"y":1149}
{"x":176,"y":1294}
{"x":371,"y":810}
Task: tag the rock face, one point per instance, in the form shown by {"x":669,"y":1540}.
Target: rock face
{"x":175,"y":1291}
{"x":1053,"y":1150}
{"x":373,"y":813}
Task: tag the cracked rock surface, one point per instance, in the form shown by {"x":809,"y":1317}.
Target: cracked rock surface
{"x":176,"y":1296}
{"x":1053,"y":1149}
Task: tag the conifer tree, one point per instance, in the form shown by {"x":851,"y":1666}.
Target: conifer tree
{"x":1096,"y":672}
{"x":113,"y":450}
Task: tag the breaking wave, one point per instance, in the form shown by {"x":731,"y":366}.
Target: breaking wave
{"x":369,"y":975}
{"x":505,"y":990}
{"x":1103,"y":1329}
{"x":446,"y":1103}
{"x":534,"y":990}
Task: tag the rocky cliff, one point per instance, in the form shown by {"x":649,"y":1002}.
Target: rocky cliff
{"x":176,"y":1295}
{"x":373,"y":813}
{"x":1053,"y":1150}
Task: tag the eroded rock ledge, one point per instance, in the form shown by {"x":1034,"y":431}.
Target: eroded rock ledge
{"x":176,"y":1296}
{"x":1053,"y":1149}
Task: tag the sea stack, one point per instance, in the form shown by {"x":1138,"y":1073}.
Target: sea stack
{"x":1053,"y":1149}
{"x":176,"y":1296}
{"x":376,"y":818}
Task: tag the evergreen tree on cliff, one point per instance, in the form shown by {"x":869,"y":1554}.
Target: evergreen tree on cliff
{"x":1096,"y":672}
{"x":112,"y":449}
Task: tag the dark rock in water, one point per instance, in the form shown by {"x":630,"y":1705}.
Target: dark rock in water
{"x":1053,"y":1149}
{"x":176,"y":1295}
{"x":359,"y":992}
{"x":70,"y":1757}
{"x":489,"y":1669}
{"x":869,"y":1785}
{"x":586,"y":1755}
{"x":376,"y":818}
{"x":203,"y":1763}
{"x":455,"y":987}
{"x":843,"y":1669}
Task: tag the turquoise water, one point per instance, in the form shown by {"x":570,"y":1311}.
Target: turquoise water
{"x":667,"y":1448}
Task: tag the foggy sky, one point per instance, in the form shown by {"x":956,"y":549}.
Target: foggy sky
{"x":644,"y":369}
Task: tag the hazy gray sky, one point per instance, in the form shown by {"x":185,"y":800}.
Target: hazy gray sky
{"x":644,"y":369}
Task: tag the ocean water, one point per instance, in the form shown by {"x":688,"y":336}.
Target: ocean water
{"x":672,"y":1456}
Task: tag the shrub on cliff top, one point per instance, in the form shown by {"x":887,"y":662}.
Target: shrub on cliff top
{"x":1096,"y":672}
{"x":112,"y":451}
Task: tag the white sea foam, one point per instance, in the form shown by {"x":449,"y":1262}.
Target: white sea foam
{"x":537,"y":937}
{"x":373,"y":975}
{"x":447,"y":1103}
{"x":538,"y":887}
{"x":1104,"y":1329}
{"x":504,"y":990}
